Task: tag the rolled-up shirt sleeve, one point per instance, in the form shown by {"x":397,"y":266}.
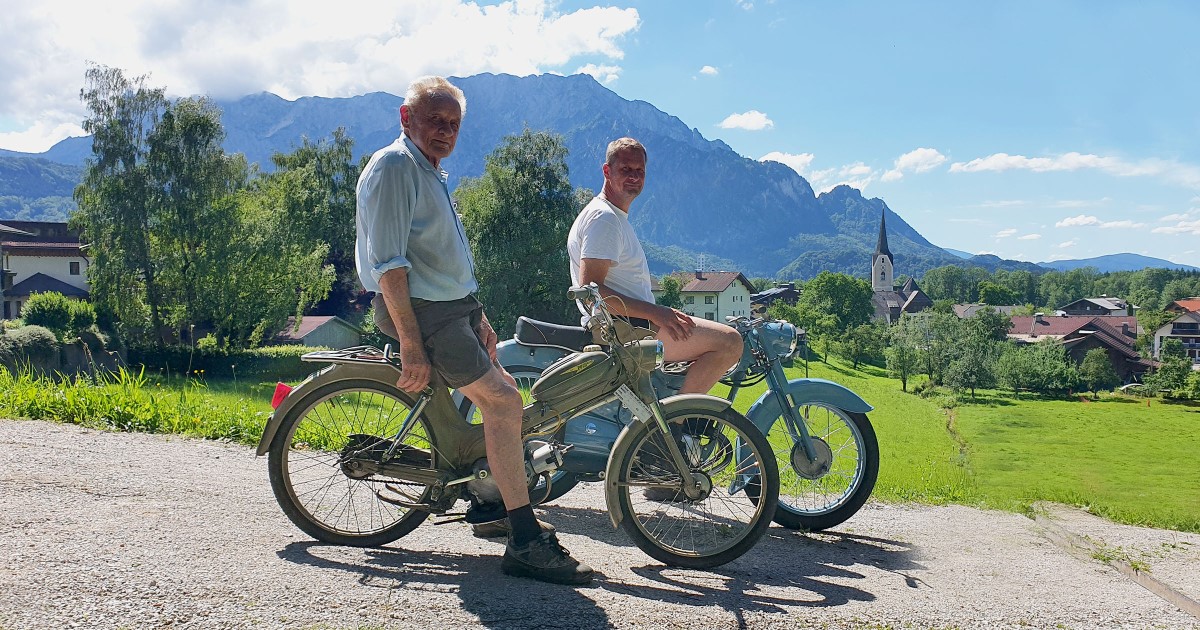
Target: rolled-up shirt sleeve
{"x":389,"y":215}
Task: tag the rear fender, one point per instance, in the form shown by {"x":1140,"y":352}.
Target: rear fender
{"x":691,"y":401}
{"x":382,"y":372}
{"x":767,"y":408}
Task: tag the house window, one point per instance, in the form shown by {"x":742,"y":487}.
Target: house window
{"x":710,"y":316}
{"x":689,"y":300}
{"x":708,"y":299}
{"x":75,"y":269}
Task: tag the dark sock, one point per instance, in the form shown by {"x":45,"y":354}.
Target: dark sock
{"x":524,"y":525}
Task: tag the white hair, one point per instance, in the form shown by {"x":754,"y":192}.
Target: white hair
{"x":422,"y":89}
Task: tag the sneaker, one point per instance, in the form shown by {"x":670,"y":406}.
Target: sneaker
{"x":664,"y":495}
{"x":544,"y":559}
{"x":501,"y":528}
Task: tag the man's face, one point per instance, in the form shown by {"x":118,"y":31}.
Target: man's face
{"x":433,"y":125}
{"x":627,"y":173}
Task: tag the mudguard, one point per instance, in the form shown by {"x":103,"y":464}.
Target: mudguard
{"x":333,"y":373}
{"x":767,"y":408}
{"x":701,"y":401}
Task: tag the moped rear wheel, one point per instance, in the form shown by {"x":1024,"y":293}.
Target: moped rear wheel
{"x":319,"y":464}
{"x":720,"y":520}
{"x":561,"y":481}
{"x":820,"y":494}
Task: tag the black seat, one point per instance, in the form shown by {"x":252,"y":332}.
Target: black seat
{"x":532,"y":332}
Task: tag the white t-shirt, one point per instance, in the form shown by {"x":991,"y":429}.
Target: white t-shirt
{"x":602,"y":231}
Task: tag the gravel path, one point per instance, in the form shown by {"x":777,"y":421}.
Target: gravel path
{"x":109,"y":530}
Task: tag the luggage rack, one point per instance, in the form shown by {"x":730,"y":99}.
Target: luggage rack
{"x":354,"y":354}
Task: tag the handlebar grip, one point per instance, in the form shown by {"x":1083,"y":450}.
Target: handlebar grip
{"x":582,"y":292}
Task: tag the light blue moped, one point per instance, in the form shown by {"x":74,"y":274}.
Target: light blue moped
{"x":826,"y":447}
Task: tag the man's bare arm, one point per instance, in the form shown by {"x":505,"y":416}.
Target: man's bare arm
{"x":415,"y":369}
{"x":677,"y":324}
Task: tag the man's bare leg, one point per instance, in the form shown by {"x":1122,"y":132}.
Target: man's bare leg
{"x":500,"y":403}
{"x":713,"y":347}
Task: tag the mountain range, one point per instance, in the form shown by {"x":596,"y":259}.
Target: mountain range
{"x":703,"y":204}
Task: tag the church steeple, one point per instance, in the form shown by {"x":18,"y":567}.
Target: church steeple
{"x":881,"y":260}
{"x":881,"y":247}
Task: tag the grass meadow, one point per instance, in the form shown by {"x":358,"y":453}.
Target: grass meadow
{"x":1126,"y":459}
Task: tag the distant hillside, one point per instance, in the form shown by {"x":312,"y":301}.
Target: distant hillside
{"x":1117,"y":262}
{"x":702,"y":201}
{"x":37,"y":189}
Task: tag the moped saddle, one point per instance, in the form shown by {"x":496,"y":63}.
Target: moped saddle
{"x":532,"y":332}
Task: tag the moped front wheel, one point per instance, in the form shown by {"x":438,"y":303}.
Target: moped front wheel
{"x":322,"y":464}
{"x":823,"y":492}
{"x":734,"y":486}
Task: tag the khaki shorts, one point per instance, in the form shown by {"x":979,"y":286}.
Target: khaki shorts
{"x":450,"y":334}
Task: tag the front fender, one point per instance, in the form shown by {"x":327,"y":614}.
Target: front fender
{"x":767,"y":408}
{"x":700,"y":402}
{"x":329,"y":374}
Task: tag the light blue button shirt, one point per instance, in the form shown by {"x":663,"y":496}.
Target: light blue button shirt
{"x":405,"y":219}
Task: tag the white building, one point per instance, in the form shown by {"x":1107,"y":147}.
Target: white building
{"x":42,"y":256}
{"x":713,"y":294}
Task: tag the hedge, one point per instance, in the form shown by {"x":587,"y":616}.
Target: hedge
{"x":269,"y":363}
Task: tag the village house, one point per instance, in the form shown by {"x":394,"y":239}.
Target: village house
{"x":1185,"y":328}
{"x":1116,"y":334}
{"x":329,"y":331}
{"x":782,"y":291}
{"x":712,"y":295}
{"x":1102,"y":305}
{"x":37,"y":257}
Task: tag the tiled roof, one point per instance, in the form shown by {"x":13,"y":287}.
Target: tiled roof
{"x":1190,"y":304}
{"x":19,"y":248}
{"x":8,"y":229}
{"x":712,"y":281}
{"x":967,"y":311}
{"x":42,"y":283}
{"x":308,"y":324}
{"x":1059,"y":326}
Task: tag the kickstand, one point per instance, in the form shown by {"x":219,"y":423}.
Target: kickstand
{"x":451,"y":518}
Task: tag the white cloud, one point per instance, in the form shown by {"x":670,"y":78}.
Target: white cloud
{"x":1029,"y":237}
{"x":915,"y":161}
{"x":1180,"y":227}
{"x":1085,"y":220}
{"x":709,"y":70}
{"x":1169,"y":170}
{"x":1124,"y":224}
{"x":1066,"y":244}
{"x":291,"y":49}
{"x":1078,"y":221}
{"x":856,"y":175}
{"x":1005,"y":233}
{"x":603,"y":74}
{"x":752,"y":120}
{"x":744,"y":4}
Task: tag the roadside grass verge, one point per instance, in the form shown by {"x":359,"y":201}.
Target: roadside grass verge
{"x":129,"y":401}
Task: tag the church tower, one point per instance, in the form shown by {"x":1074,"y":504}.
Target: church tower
{"x":881,"y":261}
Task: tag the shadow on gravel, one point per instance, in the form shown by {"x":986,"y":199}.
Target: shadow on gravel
{"x":477,"y":580}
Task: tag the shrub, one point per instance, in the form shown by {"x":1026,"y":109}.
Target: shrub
{"x":83,"y":316}
{"x":207,"y":343}
{"x":270,"y":362}
{"x":34,"y":346}
{"x":51,"y":310}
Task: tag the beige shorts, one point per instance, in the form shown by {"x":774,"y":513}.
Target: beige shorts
{"x":450,"y":334}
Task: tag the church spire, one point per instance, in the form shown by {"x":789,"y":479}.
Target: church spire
{"x":882,"y":247}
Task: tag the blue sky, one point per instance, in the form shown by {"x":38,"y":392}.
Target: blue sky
{"x":1031,"y":130}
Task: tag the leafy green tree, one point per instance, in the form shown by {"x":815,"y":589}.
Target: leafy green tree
{"x":320,"y":198}
{"x":1150,"y":320}
{"x":116,"y":200}
{"x":996,"y":294}
{"x":947,"y":283}
{"x":903,"y":352}
{"x":989,"y":324}
{"x":671,"y":292}
{"x":846,"y":298}
{"x":1172,"y":375}
{"x":862,"y":343}
{"x":1014,"y":369}
{"x":517,"y":216}
{"x":1096,"y":371}
{"x":192,"y":184}
{"x":973,"y":367}
{"x":1022,"y":283}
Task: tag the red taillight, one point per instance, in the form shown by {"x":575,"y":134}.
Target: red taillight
{"x":281,"y":391}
